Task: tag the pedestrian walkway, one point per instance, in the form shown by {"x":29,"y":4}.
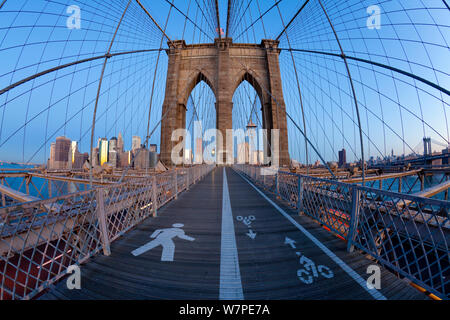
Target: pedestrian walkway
{"x":225,"y":239}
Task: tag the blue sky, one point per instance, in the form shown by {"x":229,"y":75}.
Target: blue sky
{"x":395,"y":110}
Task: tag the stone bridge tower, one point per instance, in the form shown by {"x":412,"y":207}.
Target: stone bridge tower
{"x":223,"y":65}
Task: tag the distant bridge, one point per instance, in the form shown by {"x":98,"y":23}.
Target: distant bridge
{"x":424,"y":160}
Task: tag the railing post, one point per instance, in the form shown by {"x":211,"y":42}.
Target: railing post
{"x":175,"y":180}
{"x":3,"y":195}
{"x":101,"y":216}
{"x":264,"y":178}
{"x":187,"y":179}
{"x":155,"y":197}
{"x":356,"y":206}
{"x":300,"y":195}
{"x":50,"y":188}
{"x":277,"y":182}
{"x":27,"y":186}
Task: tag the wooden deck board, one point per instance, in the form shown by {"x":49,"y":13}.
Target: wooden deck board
{"x":268,"y":267}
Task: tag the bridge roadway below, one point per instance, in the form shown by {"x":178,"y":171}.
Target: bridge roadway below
{"x":224,"y":261}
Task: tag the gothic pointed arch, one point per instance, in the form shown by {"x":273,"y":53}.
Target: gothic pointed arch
{"x":223,"y":66}
{"x":254,"y":80}
{"x":193,"y":80}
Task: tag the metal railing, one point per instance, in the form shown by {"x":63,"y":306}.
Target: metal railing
{"x":409,"y":235}
{"x":40,"y":240}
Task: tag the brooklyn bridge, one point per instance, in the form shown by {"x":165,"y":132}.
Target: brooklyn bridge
{"x":224,"y":150}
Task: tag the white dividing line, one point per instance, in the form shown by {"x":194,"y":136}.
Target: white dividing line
{"x":373,"y":292}
{"x":230,"y":275}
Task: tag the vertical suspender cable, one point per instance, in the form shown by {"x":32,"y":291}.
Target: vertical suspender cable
{"x":149,"y":135}
{"x":218,"y":20}
{"x":154,"y":21}
{"x":185,"y":20}
{"x":262,"y":21}
{"x":108,"y":55}
{"x":147,"y":138}
{"x":154,"y":76}
{"x":228,"y":19}
{"x":298,"y":86}
{"x":353,"y":91}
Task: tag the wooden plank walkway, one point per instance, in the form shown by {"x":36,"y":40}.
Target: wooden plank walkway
{"x":268,"y":265}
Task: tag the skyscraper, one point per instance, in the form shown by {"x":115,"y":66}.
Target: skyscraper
{"x":73,"y":150}
{"x":113,"y":158}
{"x":253,"y":141}
{"x":95,"y":158}
{"x":243,"y":153}
{"x":187,"y":156}
{"x":199,"y":151}
{"x":120,"y":145}
{"x":76,"y":159}
{"x":113,"y":144}
{"x":59,"y":154}
{"x":142,"y":160}
{"x":50,"y":164}
{"x":103,"y":151}
{"x":258,"y":157}
{"x":136,"y":143}
{"x":124,"y":159}
{"x":342,"y":158}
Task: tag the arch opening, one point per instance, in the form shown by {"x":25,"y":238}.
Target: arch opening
{"x":196,"y":78}
{"x":248,"y":119}
{"x":199,"y":117}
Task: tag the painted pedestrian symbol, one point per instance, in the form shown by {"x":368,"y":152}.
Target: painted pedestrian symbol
{"x":164,"y":238}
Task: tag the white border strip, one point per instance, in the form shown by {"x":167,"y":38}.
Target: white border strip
{"x":230,"y":275}
{"x":373,"y":292}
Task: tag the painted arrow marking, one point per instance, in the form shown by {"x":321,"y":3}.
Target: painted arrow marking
{"x":290,"y":242}
{"x":252,"y":234}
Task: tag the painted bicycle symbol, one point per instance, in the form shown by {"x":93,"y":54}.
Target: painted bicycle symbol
{"x":311,"y":271}
{"x":246,"y":220}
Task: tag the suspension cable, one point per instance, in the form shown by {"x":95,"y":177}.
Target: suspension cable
{"x":98,"y":92}
{"x":353,"y":91}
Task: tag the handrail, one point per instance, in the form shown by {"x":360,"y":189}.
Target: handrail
{"x":407,"y":233}
{"x":39,"y":240}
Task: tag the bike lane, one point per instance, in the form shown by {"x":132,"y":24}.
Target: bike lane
{"x":279,"y":261}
